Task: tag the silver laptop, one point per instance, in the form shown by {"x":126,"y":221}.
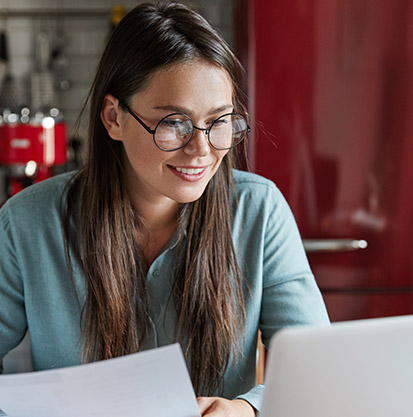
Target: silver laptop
{"x":360,"y":368}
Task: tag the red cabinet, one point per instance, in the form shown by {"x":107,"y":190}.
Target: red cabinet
{"x":331,"y":84}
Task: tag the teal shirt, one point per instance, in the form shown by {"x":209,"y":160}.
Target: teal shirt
{"x":36,"y":293}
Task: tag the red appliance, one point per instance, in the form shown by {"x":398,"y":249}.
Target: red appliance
{"x":332,"y":89}
{"x":30,"y":149}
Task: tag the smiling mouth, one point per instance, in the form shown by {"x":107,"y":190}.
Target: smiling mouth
{"x":190,"y":171}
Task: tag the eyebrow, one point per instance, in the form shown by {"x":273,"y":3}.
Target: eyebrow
{"x":178,"y":109}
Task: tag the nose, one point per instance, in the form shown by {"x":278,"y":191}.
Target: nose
{"x":199,"y":144}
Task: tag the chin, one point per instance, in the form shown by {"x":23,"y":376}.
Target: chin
{"x":184,"y":198}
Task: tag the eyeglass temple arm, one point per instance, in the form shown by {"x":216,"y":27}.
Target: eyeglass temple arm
{"x":147,"y":128}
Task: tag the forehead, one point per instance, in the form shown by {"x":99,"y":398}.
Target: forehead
{"x":194,"y":85}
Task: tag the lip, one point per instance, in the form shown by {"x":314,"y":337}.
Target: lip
{"x":189,"y":177}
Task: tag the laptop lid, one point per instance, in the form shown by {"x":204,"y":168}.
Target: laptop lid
{"x":361,"y":368}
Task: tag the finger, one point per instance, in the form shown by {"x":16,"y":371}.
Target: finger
{"x":204,"y":403}
{"x":214,"y":410}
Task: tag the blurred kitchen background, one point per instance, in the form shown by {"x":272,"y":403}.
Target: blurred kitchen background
{"x":330,"y":101}
{"x":333,"y":92}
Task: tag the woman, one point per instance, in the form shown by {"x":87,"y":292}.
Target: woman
{"x":157,"y":239}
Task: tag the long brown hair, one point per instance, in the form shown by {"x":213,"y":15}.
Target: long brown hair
{"x":208,"y":289}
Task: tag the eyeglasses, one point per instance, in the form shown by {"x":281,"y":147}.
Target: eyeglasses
{"x":174,"y":131}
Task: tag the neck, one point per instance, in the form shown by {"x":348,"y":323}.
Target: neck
{"x":159,"y":222}
{"x":156,"y":215}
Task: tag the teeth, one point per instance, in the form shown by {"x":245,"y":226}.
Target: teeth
{"x":190,"y":171}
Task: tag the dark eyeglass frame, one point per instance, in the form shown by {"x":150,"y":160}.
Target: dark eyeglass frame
{"x":205,"y":130}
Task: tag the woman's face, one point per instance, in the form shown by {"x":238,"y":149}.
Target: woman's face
{"x":199,"y":89}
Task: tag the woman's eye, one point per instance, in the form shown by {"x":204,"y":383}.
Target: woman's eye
{"x":222,"y":121}
{"x":172,"y":123}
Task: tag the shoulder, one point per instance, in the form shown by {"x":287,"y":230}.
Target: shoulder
{"x":44,"y":189}
{"x":248,"y":180}
{"x":258,"y":200}
{"x":35,"y":201}
{"x":257,"y":189}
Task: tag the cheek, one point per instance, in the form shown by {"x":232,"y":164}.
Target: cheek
{"x":144,"y":156}
{"x":135,"y":144}
{"x":220,"y":155}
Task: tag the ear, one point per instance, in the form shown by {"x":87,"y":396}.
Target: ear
{"x":110,"y":115}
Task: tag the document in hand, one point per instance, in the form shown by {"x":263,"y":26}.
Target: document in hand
{"x":151,"y":383}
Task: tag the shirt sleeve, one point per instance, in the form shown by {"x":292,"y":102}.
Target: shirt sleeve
{"x":290,"y":295}
{"x":13,"y":323}
{"x":254,"y":397}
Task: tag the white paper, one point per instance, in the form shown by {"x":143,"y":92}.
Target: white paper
{"x":153,"y":383}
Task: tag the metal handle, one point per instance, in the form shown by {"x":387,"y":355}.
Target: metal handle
{"x":333,"y":245}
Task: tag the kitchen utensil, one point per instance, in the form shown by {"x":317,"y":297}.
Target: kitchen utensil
{"x":11,"y":91}
{"x":3,"y":58}
{"x":60,"y":60}
{"x":42,"y":80}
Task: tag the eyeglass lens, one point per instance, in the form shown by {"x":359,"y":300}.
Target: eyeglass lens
{"x":175,"y":130}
